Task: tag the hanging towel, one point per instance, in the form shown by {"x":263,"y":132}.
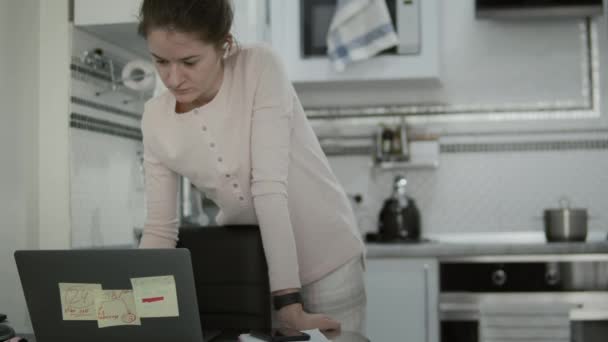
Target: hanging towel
{"x":359,"y":30}
{"x":524,"y":321}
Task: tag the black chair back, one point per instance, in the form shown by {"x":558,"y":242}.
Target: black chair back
{"x":230,"y":275}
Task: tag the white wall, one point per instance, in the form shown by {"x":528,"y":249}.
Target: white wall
{"x":18,"y":145}
{"x":106,"y":180}
{"x":33,"y":173}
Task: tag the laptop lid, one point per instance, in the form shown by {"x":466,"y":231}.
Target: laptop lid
{"x":42,"y":272}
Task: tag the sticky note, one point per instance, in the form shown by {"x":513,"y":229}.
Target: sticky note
{"x":78,"y":301}
{"x":115,"y":307}
{"x":155,"y":296}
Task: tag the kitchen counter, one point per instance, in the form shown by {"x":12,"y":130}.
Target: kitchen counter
{"x":449,"y":250}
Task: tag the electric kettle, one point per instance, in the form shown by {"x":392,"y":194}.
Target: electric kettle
{"x":399,"y":218}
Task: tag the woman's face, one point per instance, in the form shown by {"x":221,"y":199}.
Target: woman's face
{"x":190,"y":68}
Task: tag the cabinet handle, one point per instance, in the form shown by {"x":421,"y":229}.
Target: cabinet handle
{"x":427,"y":328}
{"x":267,"y":13}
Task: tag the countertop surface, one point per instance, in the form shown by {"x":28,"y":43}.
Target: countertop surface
{"x":473,"y":245}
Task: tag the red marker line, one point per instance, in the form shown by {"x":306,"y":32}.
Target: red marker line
{"x":152,"y":299}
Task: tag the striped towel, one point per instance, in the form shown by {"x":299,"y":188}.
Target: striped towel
{"x":524,"y":322}
{"x":359,"y":30}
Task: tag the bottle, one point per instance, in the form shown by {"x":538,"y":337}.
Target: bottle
{"x":404,"y":150}
{"x":396,"y":146}
{"x":387,"y":141}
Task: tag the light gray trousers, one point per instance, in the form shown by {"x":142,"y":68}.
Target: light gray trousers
{"x":339,"y":295}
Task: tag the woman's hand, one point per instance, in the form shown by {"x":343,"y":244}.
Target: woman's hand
{"x":293,"y":316}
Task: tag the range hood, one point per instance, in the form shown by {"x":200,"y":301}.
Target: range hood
{"x":516,"y":9}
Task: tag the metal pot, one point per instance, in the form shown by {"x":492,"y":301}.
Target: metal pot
{"x":565,"y":223}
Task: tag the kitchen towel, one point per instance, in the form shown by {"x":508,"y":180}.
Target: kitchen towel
{"x":359,"y":30}
{"x":524,"y":321}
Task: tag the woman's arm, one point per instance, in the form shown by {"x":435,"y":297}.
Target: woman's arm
{"x":270,"y":140}
{"x":161,"y":184}
{"x":271,"y":131}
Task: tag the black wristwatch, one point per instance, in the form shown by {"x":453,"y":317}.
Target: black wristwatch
{"x":286,"y":299}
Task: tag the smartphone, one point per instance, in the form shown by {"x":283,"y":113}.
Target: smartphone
{"x":280,"y":335}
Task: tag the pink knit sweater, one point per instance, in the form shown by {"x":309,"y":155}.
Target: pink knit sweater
{"x":253,"y":152}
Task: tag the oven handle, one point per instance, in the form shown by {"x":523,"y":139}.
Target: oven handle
{"x":426,"y":302}
{"x":586,"y":305}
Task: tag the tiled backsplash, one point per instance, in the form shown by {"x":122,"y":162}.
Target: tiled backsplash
{"x":484,"y":188}
{"x":496,"y":183}
{"x":107,"y":194}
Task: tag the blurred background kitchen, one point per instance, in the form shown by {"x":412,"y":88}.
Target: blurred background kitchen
{"x":482,"y":118}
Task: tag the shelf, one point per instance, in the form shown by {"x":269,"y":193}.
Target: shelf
{"x":423,"y":155}
{"x":407,"y":165}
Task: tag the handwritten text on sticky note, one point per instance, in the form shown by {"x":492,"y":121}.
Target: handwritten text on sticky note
{"x":115,"y":307}
{"x":78,"y":301}
{"x":155,"y":296}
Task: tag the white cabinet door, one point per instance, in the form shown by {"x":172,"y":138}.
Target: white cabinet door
{"x":402,"y":300}
{"x":96,"y":12}
{"x":251,"y":23}
{"x":285,"y":22}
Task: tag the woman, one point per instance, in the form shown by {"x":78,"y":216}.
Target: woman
{"x":232,"y":124}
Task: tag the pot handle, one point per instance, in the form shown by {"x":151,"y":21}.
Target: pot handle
{"x":564,"y":202}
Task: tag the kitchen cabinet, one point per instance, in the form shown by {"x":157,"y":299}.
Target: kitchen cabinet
{"x":287,"y":32}
{"x":116,"y":21}
{"x":251,"y":22}
{"x":95,"y":12}
{"x":402,"y":299}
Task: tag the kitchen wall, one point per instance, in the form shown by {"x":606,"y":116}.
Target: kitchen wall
{"x":492,"y":176}
{"x":495,"y":174}
{"x":482,"y":62}
{"x":492,"y":191}
{"x":105,"y":170}
{"x":18,"y":146}
{"x":33,"y":98}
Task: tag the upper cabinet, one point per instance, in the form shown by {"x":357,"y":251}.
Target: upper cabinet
{"x":95,"y":12}
{"x":251,"y":21}
{"x":299,"y":29}
{"x":116,"y":21}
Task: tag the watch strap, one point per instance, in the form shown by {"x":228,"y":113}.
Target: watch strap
{"x":281,"y":301}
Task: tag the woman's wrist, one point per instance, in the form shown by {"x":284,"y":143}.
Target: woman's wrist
{"x":286,"y":299}
{"x":285,"y":291}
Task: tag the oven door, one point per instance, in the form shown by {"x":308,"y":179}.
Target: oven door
{"x":460,"y":312}
{"x":316,"y":16}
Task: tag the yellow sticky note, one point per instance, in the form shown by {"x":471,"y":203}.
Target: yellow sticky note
{"x":78,"y":301}
{"x":115,"y":307}
{"x":155,"y":296}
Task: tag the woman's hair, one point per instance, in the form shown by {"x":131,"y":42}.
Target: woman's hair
{"x":211,"y":20}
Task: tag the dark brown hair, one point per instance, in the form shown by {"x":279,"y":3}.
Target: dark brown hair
{"x":211,"y":20}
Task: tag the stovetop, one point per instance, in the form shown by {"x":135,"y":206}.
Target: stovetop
{"x":377,"y":239}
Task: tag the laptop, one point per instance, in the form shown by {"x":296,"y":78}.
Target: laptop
{"x":42,"y":271}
